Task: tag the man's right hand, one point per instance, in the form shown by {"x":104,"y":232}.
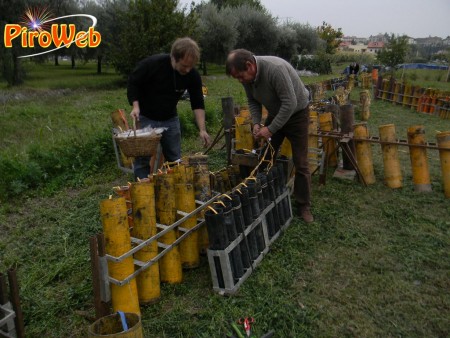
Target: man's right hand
{"x":135,"y":112}
{"x":256,"y":129}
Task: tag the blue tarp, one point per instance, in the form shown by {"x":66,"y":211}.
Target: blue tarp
{"x":421,"y":66}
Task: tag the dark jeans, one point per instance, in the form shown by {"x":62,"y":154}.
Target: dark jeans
{"x":296,"y":131}
{"x":170,"y":144}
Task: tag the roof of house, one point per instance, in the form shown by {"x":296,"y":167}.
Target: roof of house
{"x":345,"y":44}
{"x":377,"y":44}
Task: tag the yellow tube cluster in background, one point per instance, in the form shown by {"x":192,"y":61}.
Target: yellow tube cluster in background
{"x":363,"y":152}
{"x":326,"y":124}
{"x":419,"y":161}
{"x":313,"y":141}
{"x":443,"y":140}
{"x":392,"y":169}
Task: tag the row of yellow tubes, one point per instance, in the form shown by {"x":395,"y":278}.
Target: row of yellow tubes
{"x":174,"y":190}
{"x":363,"y":151}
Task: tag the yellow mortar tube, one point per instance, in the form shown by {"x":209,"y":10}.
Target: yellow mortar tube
{"x":245,"y":113}
{"x":286,"y":148}
{"x":407,"y":95}
{"x":170,"y":264}
{"x":419,"y":161}
{"x":183,"y":174}
{"x":144,"y":216}
{"x":329,"y":144}
{"x":392,"y":170}
{"x":313,"y":141}
{"x":396,"y":92}
{"x":185,"y":201}
{"x":243,"y":134}
{"x":113,"y":214}
{"x":202,"y":189}
{"x":363,"y":152}
{"x":385,"y":89}
{"x":416,"y":97}
{"x":365,"y":80}
{"x":351,"y":82}
{"x":364,"y":99}
{"x":124,"y":191}
{"x":443,"y":141}
{"x":225,"y":179}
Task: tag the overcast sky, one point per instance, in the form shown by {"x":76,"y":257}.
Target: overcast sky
{"x":362,"y":18}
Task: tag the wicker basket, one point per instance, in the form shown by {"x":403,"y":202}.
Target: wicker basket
{"x":133,"y":146}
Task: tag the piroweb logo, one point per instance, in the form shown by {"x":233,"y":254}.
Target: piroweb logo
{"x":39,"y":30}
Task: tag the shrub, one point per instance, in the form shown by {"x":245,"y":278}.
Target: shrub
{"x":65,"y":165}
{"x":187,"y":122}
{"x":413,"y":76}
{"x":18,"y":176}
{"x":319,"y":64}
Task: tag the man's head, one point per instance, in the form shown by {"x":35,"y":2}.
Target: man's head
{"x":241,"y":65}
{"x":184,"y":54}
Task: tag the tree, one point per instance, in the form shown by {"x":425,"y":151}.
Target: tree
{"x":147,"y":27}
{"x":217,"y":34}
{"x":61,"y":8}
{"x":395,"y":51}
{"x":256,"y":4}
{"x":295,"y":39}
{"x":287,"y":45}
{"x":308,"y":40}
{"x":447,"y":55}
{"x":10,"y":65}
{"x":257,"y":30}
{"x":331,"y":37}
{"x":107,"y":13}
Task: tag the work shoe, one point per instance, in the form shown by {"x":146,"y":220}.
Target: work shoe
{"x":306,"y":215}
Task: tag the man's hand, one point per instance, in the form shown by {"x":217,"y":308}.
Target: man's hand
{"x":204,"y":136}
{"x":200,"y":119}
{"x":263,"y":133}
{"x":256,"y":129}
{"x":135,"y":112}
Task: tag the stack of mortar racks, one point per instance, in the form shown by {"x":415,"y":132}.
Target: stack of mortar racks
{"x":242,"y":225}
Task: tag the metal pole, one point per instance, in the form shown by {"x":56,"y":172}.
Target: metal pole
{"x":347,"y":118}
{"x":228,"y":115}
{"x":376,"y":139}
{"x":3,"y":299}
{"x":216,"y":139}
{"x":101,"y":308}
{"x":105,"y":290}
{"x":15,"y":300}
{"x":3,"y":290}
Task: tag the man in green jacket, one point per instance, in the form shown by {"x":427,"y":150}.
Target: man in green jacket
{"x":272,"y":82}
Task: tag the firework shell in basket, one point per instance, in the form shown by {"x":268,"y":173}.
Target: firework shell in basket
{"x":141,"y":142}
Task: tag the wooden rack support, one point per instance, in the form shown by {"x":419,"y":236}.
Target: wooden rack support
{"x":11,"y":317}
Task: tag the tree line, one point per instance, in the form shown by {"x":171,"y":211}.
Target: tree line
{"x":134,"y":29}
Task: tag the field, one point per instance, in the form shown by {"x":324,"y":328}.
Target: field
{"x":375,"y":263}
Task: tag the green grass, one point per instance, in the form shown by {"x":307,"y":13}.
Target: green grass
{"x":84,"y":75}
{"x":375,"y":263}
{"x":426,"y":78}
